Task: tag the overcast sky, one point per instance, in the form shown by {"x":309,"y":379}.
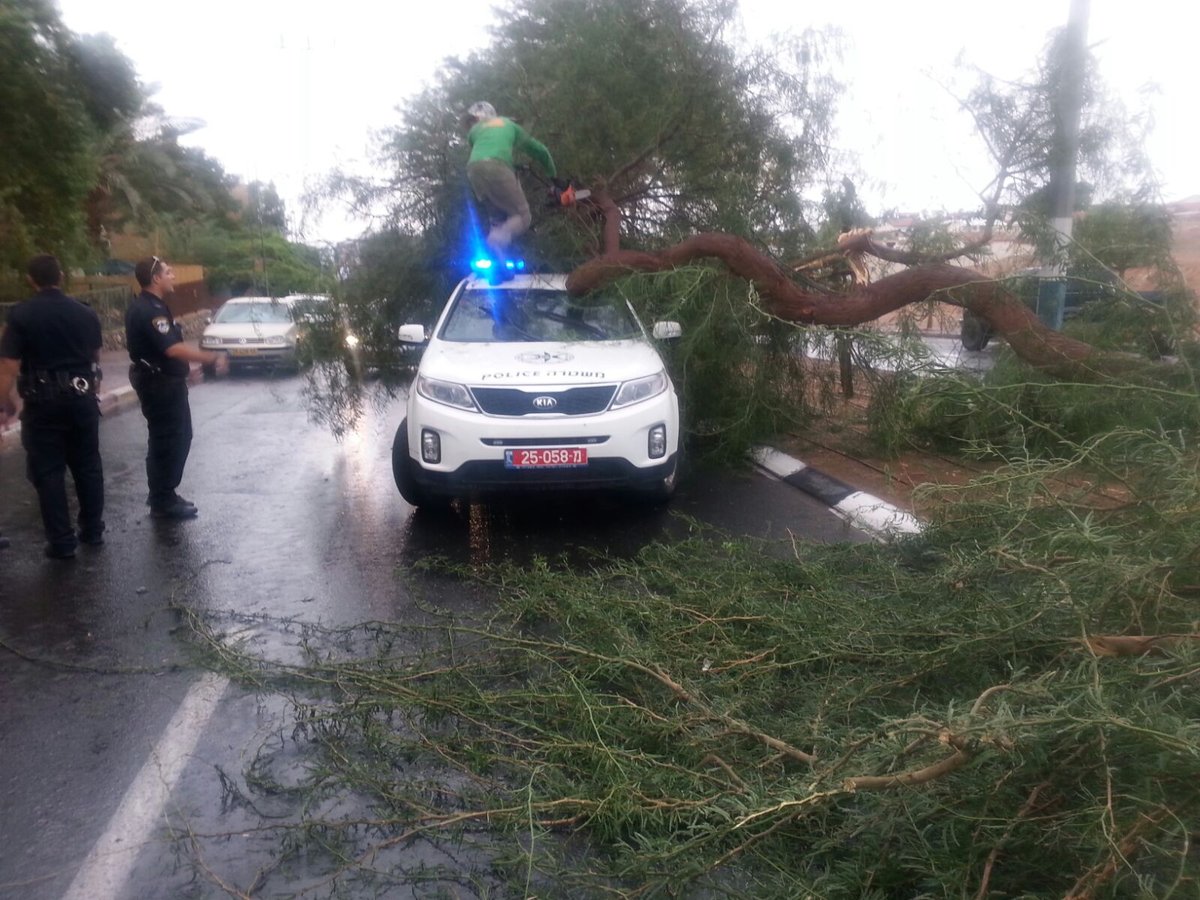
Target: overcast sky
{"x":289,"y":88}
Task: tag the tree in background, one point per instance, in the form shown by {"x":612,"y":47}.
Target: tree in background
{"x":684,"y":133}
{"x":87,"y":155}
{"x":1018,"y":125}
{"x":264,"y":207}
{"x":650,"y":104}
{"x":50,"y":119}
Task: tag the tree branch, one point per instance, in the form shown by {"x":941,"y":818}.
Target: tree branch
{"x":1050,"y":351}
{"x":956,"y":760}
{"x":1134,"y":644}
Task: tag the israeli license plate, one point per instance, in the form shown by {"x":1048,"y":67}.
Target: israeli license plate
{"x":243,"y":351}
{"x":546,"y":457}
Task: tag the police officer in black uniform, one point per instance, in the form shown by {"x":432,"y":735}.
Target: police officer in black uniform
{"x":159,"y":374}
{"x":50,"y":348}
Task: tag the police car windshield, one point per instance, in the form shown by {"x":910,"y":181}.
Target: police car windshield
{"x":518,"y":315}
{"x":264,"y":312}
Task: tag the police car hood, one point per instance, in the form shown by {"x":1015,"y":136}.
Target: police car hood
{"x":256,"y":330}
{"x":551,"y":363}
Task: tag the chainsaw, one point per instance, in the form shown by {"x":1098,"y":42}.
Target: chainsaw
{"x":565,"y":193}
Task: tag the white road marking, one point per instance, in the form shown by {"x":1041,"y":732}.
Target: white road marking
{"x":105,"y":872}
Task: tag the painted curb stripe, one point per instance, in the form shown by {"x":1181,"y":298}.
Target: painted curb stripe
{"x":869,"y":513}
{"x":864,"y":511}
{"x":826,"y":489}
{"x":778,"y":464}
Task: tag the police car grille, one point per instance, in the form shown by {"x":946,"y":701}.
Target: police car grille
{"x":578,"y":401}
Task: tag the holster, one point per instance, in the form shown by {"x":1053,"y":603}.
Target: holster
{"x":144,"y":375}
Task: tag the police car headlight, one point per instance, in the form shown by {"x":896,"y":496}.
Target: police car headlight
{"x":278,"y":340}
{"x":446,"y":392}
{"x":640,"y":389}
{"x":210,"y":342}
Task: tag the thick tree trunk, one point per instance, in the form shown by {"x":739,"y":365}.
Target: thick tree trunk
{"x":1047,"y":350}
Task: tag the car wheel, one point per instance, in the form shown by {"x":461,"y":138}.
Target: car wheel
{"x":975,"y":332}
{"x":209,"y":370}
{"x":661,"y":491}
{"x":402,"y":472}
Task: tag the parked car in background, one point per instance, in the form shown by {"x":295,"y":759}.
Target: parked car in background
{"x":523,"y":387}
{"x":256,"y":331}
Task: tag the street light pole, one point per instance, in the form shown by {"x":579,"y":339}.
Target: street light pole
{"x":1068,"y":105}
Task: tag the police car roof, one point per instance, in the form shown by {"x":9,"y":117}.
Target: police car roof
{"x":544,"y":281}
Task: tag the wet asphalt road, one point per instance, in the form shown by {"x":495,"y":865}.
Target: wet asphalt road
{"x":293,"y":525}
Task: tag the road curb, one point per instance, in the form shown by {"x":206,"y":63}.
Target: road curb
{"x":864,"y":511}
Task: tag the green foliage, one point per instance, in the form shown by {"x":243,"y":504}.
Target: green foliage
{"x":264,"y":207}
{"x":685,"y":131}
{"x":156,"y":183}
{"x":698,"y":721}
{"x":689,"y":134}
{"x":842,"y":212}
{"x":394,"y":267}
{"x":1018,"y":120}
{"x":1015,"y":411}
{"x":1114,"y":237}
{"x":738,"y":379}
{"x":245,"y":260}
{"x":111,"y":92}
{"x":46,"y":154}
{"x":73,"y":167}
{"x":647,"y":95}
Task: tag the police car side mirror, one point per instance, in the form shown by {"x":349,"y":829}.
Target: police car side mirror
{"x":667,"y":331}
{"x":412,"y":334}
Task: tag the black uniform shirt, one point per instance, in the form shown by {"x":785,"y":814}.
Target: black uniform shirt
{"x":149,"y":330}
{"x":54,"y":332}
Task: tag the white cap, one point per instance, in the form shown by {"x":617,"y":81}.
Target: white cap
{"x":481,"y":110}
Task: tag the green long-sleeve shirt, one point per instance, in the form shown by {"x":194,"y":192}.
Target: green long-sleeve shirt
{"x":497,"y":139}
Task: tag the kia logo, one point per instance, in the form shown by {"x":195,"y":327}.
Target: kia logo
{"x":544,"y":403}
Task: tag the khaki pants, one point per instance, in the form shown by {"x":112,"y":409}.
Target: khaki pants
{"x":496,"y":185}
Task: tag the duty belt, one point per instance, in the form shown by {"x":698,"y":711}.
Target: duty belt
{"x":143,"y":368}
{"x":51,"y":384}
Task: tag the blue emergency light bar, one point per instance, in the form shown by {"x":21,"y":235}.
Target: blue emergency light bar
{"x":486,"y":266}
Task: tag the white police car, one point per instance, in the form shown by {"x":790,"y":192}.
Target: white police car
{"x":522,"y":387}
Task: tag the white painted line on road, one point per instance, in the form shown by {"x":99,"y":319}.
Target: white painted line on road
{"x":106,"y":870}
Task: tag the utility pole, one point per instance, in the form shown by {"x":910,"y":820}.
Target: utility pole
{"x":1068,"y":104}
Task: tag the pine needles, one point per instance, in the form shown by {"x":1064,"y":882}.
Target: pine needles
{"x":1004,"y":706}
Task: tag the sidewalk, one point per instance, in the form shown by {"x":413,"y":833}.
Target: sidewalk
{"x":115,"y":391}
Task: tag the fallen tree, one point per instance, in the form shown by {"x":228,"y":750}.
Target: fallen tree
{"x":1047,"y":350}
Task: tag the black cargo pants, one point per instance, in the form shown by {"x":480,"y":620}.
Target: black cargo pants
{"x":60,"y":434}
